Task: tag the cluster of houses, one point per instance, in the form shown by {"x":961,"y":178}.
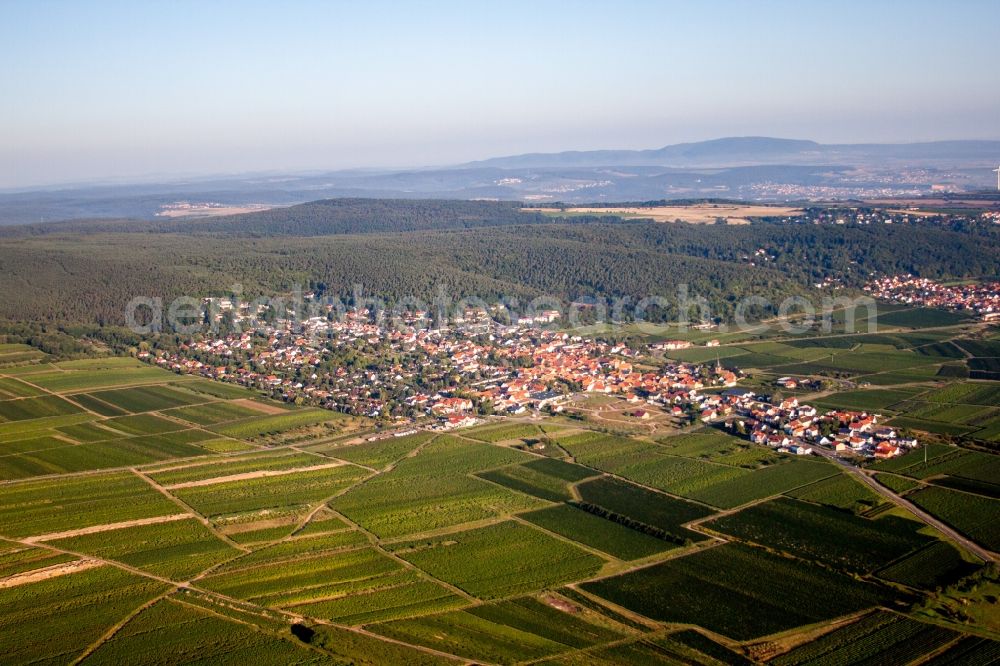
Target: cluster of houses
{"x":446,"y":372}
{"x":791,"y":427}
{"x":674,"y":345}
{"x":798,"y":192}
{"x":792,"y":383}
{"x":860,"y":432}
{"x":869,"y":216}
{"x":979,"y":298}
{"x":572,"y":364}
{"x":506,"y":369}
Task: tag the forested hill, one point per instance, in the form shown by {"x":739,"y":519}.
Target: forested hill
{"x":361,"y":216}
{"x":90,"y":277}
{"x":395,"y":249}
{"x":317,"y":218}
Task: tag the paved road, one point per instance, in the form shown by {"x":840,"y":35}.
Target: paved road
{"x":927,"y":518}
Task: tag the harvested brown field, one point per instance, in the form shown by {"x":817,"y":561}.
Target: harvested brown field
{"x":48,"y":573}
{"x":911,"y":211}
{"x":706,"y":213}
{"x":248,"y":476}
{"x":94,"y":529}
{"x":262,"y":407}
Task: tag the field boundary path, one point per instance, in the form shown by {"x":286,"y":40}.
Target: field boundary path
{"x":941,"y":526}
{"x":107,"y":527}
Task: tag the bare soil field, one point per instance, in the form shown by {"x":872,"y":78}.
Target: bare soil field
{"x":247,"y":476}
{"x":692,"y":214}
{"x":47,"y":573}
{"x":83,"y":531}
{"x":261,"y":407}
{"x":913,"y":212}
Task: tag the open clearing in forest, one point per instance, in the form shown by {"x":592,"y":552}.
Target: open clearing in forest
{"x":705,"y":213}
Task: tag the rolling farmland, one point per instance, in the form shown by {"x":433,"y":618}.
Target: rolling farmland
{"x":877,"y":638}
{"x":634,"y":351}
{"x":738,"y":591}
{"x":482,"y":561}
{"x":162,"y":512}
{"x":827,"y":535}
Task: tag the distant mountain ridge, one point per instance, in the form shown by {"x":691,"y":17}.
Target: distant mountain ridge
{"x":755,"y":150}
{"x":752,"y":168}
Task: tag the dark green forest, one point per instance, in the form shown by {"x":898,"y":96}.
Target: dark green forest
{"x":85,"y":272}
{"x":318,"y":218}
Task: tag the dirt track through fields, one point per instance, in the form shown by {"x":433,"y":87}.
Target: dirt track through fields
{"x":39,"y":575}
{"x":246,"y":476}
{"x":94,"y":529}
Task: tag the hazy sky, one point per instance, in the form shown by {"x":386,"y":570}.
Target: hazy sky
{"x":91,"y":89}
